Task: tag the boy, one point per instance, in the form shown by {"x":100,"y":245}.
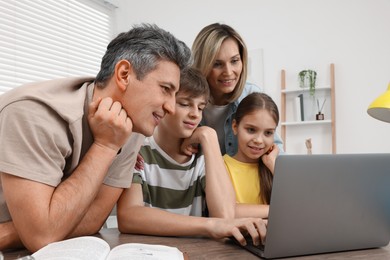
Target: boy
{"x":169,"y":196}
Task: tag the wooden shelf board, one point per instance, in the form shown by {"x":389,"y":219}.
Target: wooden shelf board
{"x":314,"y":122}
{"x":300,"y":90}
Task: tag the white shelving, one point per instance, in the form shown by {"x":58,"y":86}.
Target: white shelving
{"x":288,"y":121}
{"x":299,"y":90}
{"x":316,"y":122}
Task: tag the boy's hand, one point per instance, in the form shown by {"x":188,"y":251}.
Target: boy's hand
{"x":239,"y":228}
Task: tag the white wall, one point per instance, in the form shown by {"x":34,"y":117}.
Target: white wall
{"x":296,"y":35}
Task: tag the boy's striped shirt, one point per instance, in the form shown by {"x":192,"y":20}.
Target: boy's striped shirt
{"x":168,"y":185}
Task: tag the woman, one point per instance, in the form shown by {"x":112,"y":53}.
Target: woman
{"x":221,"y":55}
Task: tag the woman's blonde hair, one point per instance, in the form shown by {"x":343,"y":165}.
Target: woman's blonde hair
{"x":206,"y":47}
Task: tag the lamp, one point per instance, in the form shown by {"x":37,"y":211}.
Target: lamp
{"x":380,"y":107}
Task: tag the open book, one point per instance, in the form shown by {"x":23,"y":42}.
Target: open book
{"x":89,"y":247}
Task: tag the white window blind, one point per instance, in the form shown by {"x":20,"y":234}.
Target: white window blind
{"x":47,"y":39}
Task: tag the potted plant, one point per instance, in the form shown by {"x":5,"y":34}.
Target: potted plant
{"x":307,"y":78}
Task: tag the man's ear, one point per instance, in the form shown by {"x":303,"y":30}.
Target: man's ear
{"x":234,"y":126}
{"x":123,"y":71}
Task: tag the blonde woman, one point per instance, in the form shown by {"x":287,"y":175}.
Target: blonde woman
{"x":221,"y":55}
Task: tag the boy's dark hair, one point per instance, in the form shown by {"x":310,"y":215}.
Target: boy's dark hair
{"x":193,"y":83}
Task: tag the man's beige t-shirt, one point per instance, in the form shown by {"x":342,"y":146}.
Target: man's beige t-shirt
{"x":44,"y":134}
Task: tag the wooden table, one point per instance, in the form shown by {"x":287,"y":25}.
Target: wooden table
{"x":204,"y":248}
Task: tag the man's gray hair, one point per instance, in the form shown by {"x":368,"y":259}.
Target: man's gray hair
{"x":143,"y":46}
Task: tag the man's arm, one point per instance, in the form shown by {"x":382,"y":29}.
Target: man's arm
{"x":98,"y":212}
{"x":90,"y":224}
{"x":9,"y":237}
{"x":134,"y":217}
{"x":42,"y":213}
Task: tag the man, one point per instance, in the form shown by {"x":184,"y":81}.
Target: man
{"x":68,"y":146}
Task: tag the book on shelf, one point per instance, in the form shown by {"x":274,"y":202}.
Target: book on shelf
{"x":90,"y":247}
{"x":299,"y":108}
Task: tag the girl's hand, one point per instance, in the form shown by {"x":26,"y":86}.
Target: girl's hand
{"x":270,"y":157}
{"x":189,"y":148}
{"x":200,"y":136}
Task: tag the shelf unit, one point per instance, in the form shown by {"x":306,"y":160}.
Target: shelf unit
{"x":285,"y":123}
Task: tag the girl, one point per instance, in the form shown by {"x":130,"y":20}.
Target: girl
{"x":251,"y":168}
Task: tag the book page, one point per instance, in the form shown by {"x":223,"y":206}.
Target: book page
{"x":80,"y":248}
{"x":134,"y":251}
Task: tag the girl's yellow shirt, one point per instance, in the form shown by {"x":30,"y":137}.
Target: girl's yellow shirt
{"x":245,"y":179}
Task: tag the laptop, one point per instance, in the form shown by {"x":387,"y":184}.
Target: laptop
{"x":327,"y":203}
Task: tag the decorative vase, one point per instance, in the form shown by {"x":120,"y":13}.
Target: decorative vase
{"x":307,"y":79}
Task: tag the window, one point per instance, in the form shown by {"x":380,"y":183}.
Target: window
{"x":47,"y":39}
